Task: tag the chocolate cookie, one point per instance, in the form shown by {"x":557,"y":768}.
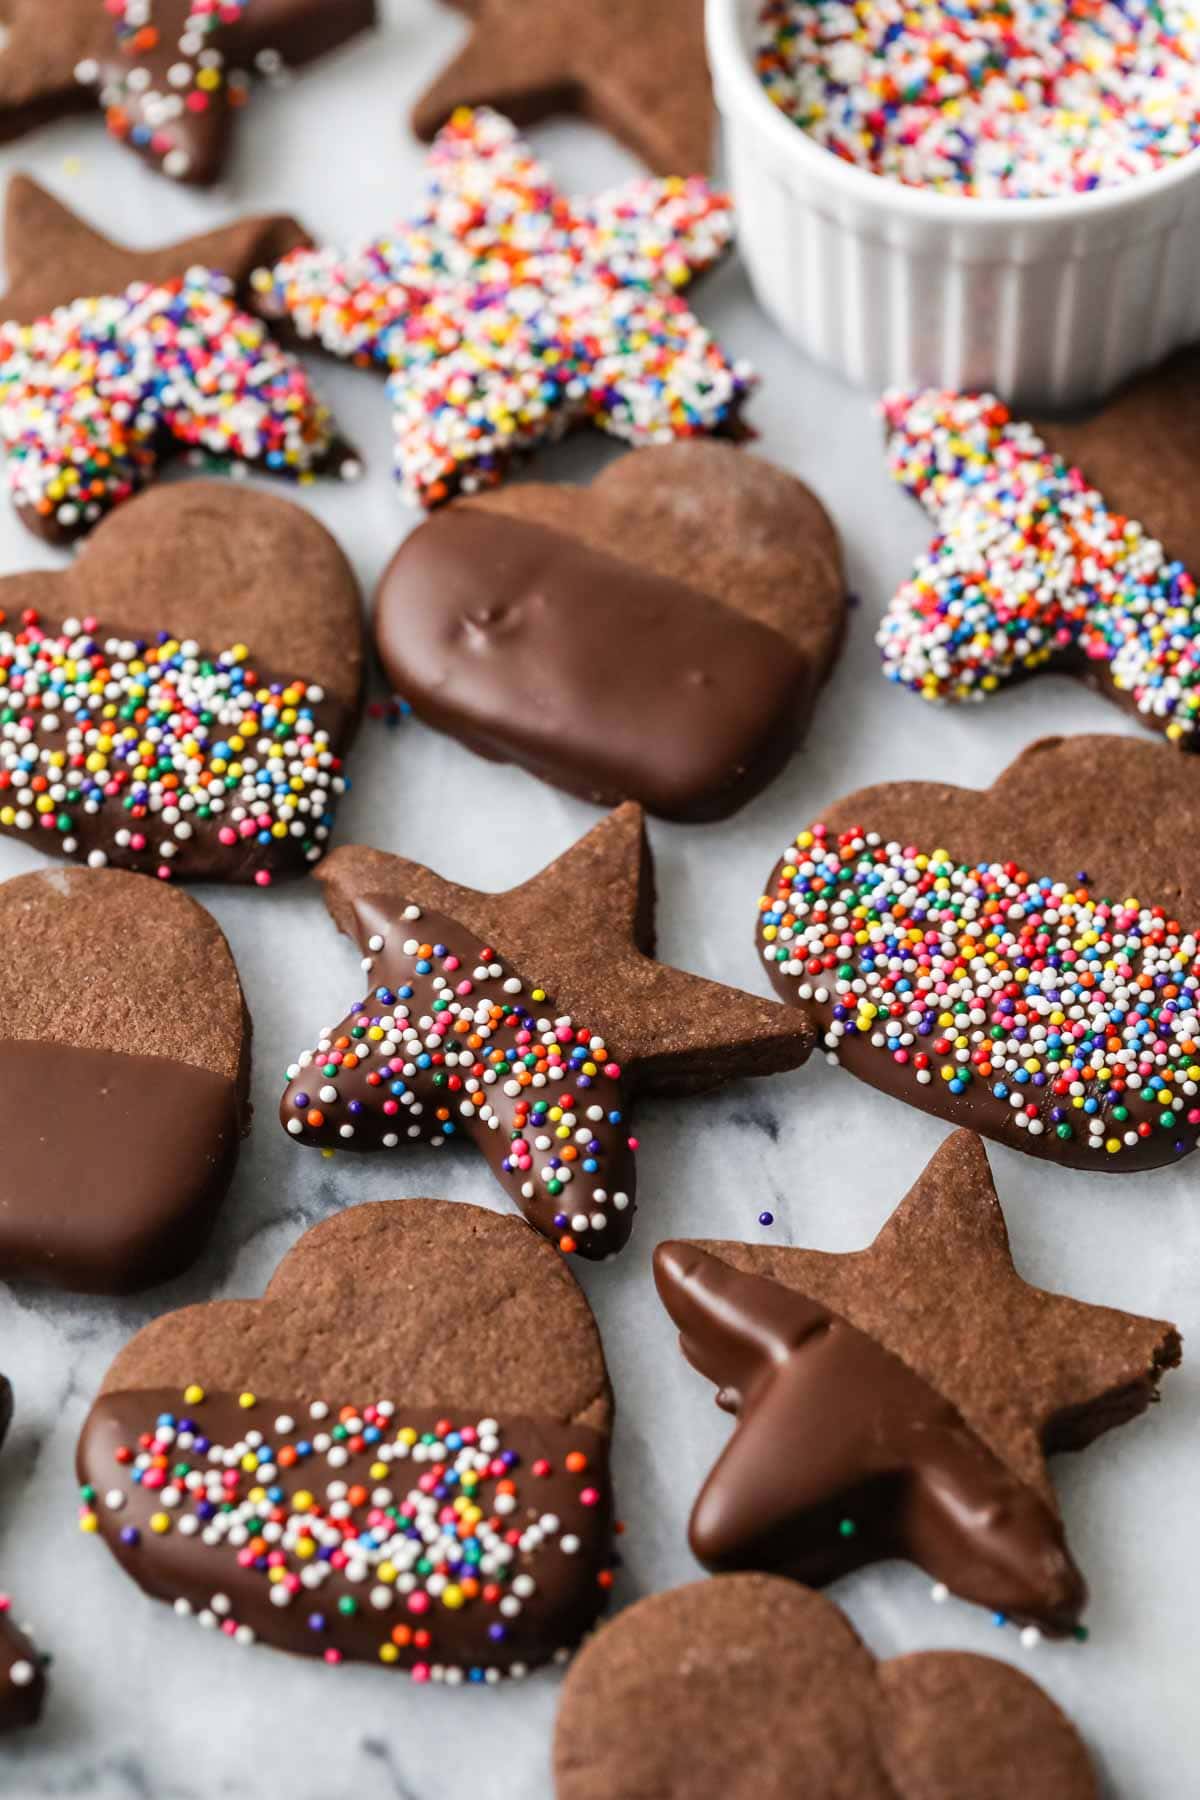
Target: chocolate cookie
{"x":171,"y":78}
{"x":179,"y":700}
{"x":524,"y":1022}
{"x":1068,"y":546}
{"x":100,"y":380}
{"x":755,"y":1689}
{"x":1019,"y":960}
{"x":53,"y":257}
{"x":506,"y":313}
{"x":22,"y":1669}
{"x":125,"y":1068}
{"x":639,"y":71}
{"x":659,"y":636}
{"x":341,"y":1469}
{"x":902,"y":1400}
{"x":22,"y":1673}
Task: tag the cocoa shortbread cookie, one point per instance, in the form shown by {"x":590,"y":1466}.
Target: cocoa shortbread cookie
{"x":524,"y":1022}
{"x":1069,"y":545}
{"x":180,"y":699}
{"x":902,"y":1400}
{"x":22,"y":1666}
{"x":660,"y":636}
{"x":398,"y":1455}
{"x":753,"y":1688}
{"x":125,"y":1059}
{"x":1021,"y":960}
{"x":171,"y":79}
{"x":113,"y":358}
{"x":639,"y":71}
{"x":506,"y":312}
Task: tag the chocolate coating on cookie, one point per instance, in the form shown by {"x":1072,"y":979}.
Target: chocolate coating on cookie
{"x":452,"y":1043}
{"x":443,"y":1496}
{"x":1036,"y":979}
{"x":661,"y":636}
{"x":186,"y":689}
{"x":901,"y":1400}
{"x":125,"y":1059}
{"x":755,"y":1689}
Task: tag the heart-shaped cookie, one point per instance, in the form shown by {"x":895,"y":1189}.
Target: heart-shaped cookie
{"x":1022,"y":960}
{"x":752,"y":1688}
{"x":125,"y":1069}
{"x":178,"y":701}
{"x":398,"y":1455}
{"x":22,"y":1669}
{"x":660,"y":636}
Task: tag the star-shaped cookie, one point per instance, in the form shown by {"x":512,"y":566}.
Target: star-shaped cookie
{"x":1068,"y":546}
{"x":169,"y":78}
{"x":902,"y":1400}
{"x":110,"y":357}
{"x":526,"y":1021}
{"x":507,"y":313}
{"x":640,"y":71}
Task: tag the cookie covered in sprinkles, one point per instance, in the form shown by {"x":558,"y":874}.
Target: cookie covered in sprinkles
{"x":1033,"y":567}
{"x":22,"y":1666}
{"x":180,"y":699}
{"x":1004,"y":959}
{"x":506,"y":313}
{"x":340,"y":1470}
{"x":523,"y":1022}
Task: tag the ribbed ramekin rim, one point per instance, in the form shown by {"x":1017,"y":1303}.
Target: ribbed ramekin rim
{"x":736,"y":81}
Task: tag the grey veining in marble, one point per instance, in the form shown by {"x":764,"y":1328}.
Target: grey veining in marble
{"x":146,"y":1707}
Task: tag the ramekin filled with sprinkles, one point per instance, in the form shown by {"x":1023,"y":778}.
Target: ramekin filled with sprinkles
{"x":999,"y":194}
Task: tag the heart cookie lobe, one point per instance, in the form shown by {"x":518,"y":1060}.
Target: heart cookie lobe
{"x":456,"y":1540}
{"x":125,"y":1060}
{"x":452,"y":1042}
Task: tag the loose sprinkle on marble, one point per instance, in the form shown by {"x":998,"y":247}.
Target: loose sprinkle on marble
{"x":1076,"y":1013}
{"x":507,"y":313}
{"x":171,"y":745}
{"x":88,"y":394}
{"x":400,"y":1539}
{"x":1029,"y":565}
{"x":1010,"y":99}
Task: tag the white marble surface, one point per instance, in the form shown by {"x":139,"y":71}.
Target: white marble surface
{"x":144,"y":1706}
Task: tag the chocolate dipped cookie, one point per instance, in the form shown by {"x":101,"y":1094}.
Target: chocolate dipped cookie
{"x":340,"y":1469}
{"x":660,"y":636}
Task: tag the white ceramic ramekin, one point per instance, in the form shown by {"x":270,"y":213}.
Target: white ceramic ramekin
{"x":1046,"y":302}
